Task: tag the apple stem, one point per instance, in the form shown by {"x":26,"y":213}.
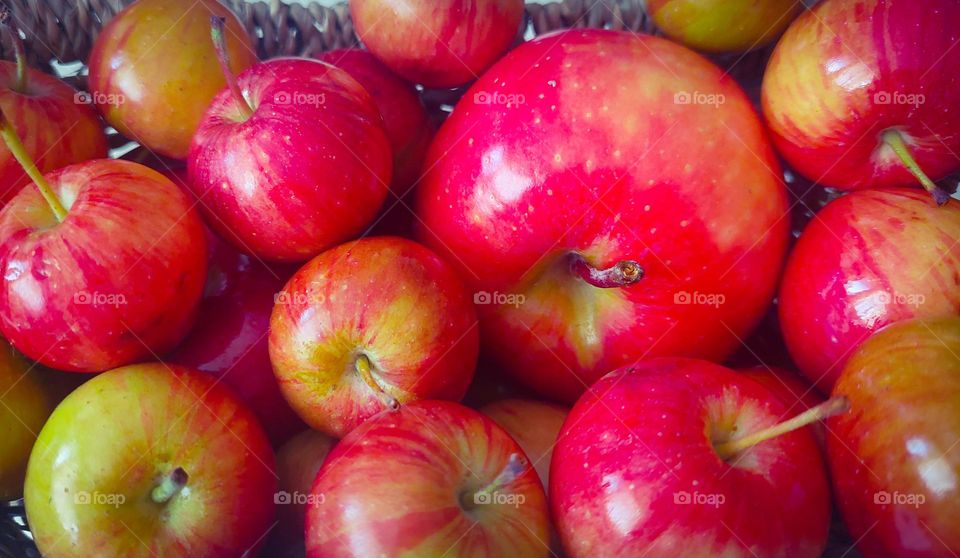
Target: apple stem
{"x":170,"y":486}
{"x":20,"y":55}
{"x":827,"y":409}
{"x":621,"y":274}
{"x":894,"y":139}
{"x":19,"y":152}
{"x":217,"y":24}
{"x":515,"y":467}
{"x":365,"y":370}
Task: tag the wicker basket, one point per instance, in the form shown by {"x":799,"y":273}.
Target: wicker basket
{"x":60,"y":33}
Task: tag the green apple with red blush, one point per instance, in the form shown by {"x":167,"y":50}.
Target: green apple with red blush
{"x":162,"y":462}
{"x":368,"y":326}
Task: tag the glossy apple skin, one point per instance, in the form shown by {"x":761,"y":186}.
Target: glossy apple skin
{"x":404,"y":116}
{"x":909,"y":372}
{"x":124,"y":430}
{"x":721,"y":25}
{"x":825,"y":84}
{"x":229,"y":340}
{"x":641,"y":437}
{"x":298,"y":462}
{"x":393,"y":487}
{"x":794,"y":392}
{"x":55,"y":129}
{"x":869,"y":259}
{"x":387,"y":298}
{"x":514,"y":189}
{"x":306,"y":172}
{"x":24,"y":407}
{"x":438,"y":43}
{"x":117,"y":281}
{"x":534,"y":425}
{"x":157,"y":57}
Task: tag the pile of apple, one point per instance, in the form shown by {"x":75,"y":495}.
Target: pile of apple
{"x":273,"y":308}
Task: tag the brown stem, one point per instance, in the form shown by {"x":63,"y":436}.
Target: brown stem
{"x":217,"y":24}
{"x":827,"y":409}
{"x":365,"y":371}
{"x":170,"y":486}
{"x":621,"y":274}
{"x":19,"y":152}
{"x":19,"y":53}
{"x":894,"y":139}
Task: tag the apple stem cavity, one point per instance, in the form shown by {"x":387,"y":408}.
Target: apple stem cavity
{"x":834,"y":406}
{"x":622,"y":274}
{"x":170,"y":486}
{"x":217,"y":25}
{"x":19,"y":152}
{"x":20,"y":55}
{"x":365,"y":371}
{"x":894,"y":139}
{"x":515,"y":467}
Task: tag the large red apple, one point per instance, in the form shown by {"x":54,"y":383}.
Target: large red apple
{"x":439,"y":43}
{"x":859,"y":91}
{"x":291,"y":161}
{"x":592,"y":189}
{"x":868,"y":259}
{"x":369,"y":325}
{"x":57,"y":125}
{"x":153,"y":71}
{"x":647,"y":464}
{"x":103,"y":264}
{"x":230,"y":338}
{"x":149,"y":460}
{"x":431,"y":479}
{"x":404,"y":116}
{"x":894,"y":458}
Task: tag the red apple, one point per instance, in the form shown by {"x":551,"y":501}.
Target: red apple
{"x":868,"y":259}
{"x":431,"y":479}
{"x":792,"y":391}
{"x":591,"y":190}
{"x":149,"y":460}
{"x":863,"y":93}
{"x":57,"y":125}
{"x":439,"y":43}
{"x":723,"y":25}
{"x":663,"y":459}
{"x":292,"y":159}
{"x":153,"y":71}
{"x":103,"y":264}
{"x":230,"y":340}
{"x":534,"y":425}
{"x":297,"y":464}
{"x":404,"y":116}
{"x":369,"y":325}
{"x":894,"y":458}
